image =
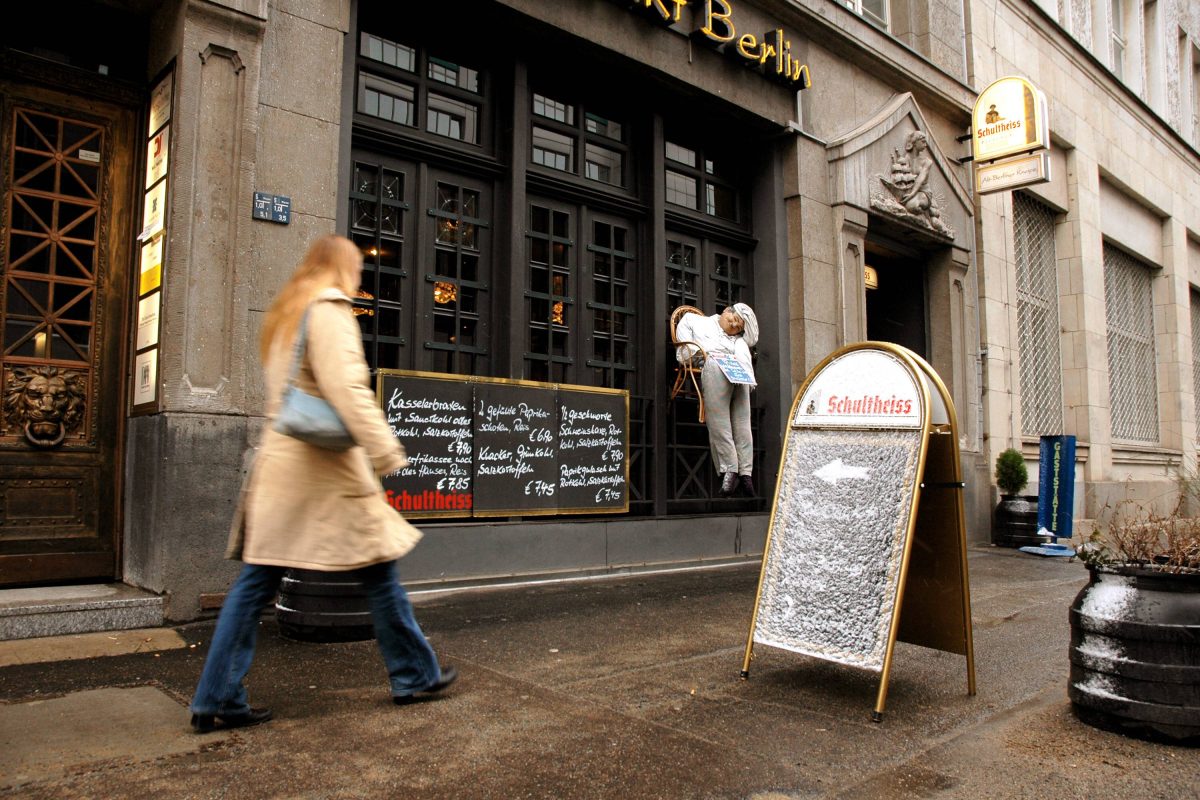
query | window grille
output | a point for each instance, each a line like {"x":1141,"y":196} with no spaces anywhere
{"x":728,"y":280}
{"x":378,"y":205}
{"x":561,"y":130}
{"x":447,"y":102}
{"x":457,"y":281}
{"x":683,"y":273}
{"x":611,"y":257}
{"x":702,"y":182}
{"x":1037,"y":317}
{"x":1132,"y":378}
{"x":549,"y":298}
{"x":1196,"y":356}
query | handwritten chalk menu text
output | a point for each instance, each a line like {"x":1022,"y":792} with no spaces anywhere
{"x":591,"y":445}
{"x":434,"y":423}
{"x":481,"y":447}
{"x":516,"y":456}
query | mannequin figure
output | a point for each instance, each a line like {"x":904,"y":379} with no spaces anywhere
{"x":727,"y":405}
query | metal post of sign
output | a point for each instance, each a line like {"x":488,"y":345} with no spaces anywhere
{"x":876,"y":419}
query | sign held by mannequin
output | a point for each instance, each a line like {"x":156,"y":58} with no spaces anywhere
{"x":870,"y":467}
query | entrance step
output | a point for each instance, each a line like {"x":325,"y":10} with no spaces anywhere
{"x":58,"y":610}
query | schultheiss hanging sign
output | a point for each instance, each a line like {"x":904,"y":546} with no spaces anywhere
{"x":1010,"y":117}
{"x":717,"y":23}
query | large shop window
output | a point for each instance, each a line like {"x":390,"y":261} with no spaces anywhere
{"x":441,"y":304}
{"x":705,"y":274}
{"x":459,"y":289}
{"x":571,"y":139}
{"x":1037,"y":317}
{"x":405,"y":85}
{"x":381,"y":225}
{"x":578,"y":296}
{"x":1132,"y":366}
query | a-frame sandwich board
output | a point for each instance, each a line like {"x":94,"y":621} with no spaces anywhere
{"x":866,"y":543}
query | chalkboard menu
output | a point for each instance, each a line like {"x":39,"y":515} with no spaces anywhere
{"x":491,"y":447}
{"x":591,"y":443}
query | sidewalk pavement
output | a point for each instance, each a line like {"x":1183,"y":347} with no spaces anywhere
{"x":613,"y":688}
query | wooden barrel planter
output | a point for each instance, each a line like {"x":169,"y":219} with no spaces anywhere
{"x":318,"y":606}
{"x":1016,"y":522}
{"x":1135,"y":653}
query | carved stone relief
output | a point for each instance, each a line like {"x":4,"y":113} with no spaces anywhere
{"x":907,"y":190}
{"x":46,"y":403}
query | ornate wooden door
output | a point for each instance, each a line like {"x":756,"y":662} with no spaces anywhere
{"x":66,"y":173}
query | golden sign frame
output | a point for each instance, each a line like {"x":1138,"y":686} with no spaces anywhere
{"x":476,"y":379}
{"x":942,"y":560}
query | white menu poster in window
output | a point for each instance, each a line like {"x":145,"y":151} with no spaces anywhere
{"x":152,"y":215}
{"x":156,"y":157}
{"x":147,"y":325}
{"x":160,"y":104}
{"x":145,"y":377}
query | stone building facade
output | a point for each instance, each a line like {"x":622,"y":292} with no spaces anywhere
{"x":718,"y":151}
{"x":1089,"y":283}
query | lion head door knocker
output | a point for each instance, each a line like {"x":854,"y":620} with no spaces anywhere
{"x":909,"y":187}
{"x":46,"y":402}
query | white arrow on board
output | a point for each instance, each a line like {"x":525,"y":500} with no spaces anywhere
{"x":837,"y":470}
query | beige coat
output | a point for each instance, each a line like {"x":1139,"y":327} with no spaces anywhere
{"x":312,"y":508}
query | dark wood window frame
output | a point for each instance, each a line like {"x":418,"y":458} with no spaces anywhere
{"x":426,"y":91}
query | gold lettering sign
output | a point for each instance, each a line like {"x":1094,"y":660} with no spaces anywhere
{"x":770,"y":51}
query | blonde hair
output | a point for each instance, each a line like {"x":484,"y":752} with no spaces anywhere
{"x":331,"y":262}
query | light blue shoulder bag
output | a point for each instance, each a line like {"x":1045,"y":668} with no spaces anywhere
{"x":306,"y":417}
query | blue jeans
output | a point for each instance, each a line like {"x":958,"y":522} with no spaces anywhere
{"x":410,"y":661}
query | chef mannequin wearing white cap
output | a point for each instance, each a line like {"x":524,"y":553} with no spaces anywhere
{"x":726,"y":405}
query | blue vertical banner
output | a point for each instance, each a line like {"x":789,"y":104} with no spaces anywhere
{"x":1056,"y":486}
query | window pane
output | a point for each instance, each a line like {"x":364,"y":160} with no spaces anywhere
{"x":721,"y":202}
{"x":553,"y":150}
{"x":603,"y":165}
{"x":681,"y":189}
{"x":681,"y":154}
{"x":603,"y":127}
{"x":452,"y":74}
{"x":876,"y":10}
{"x":1132,"y":379}
{"x":385,"y":99}
{"x":379,"y":49}
{"x":552,"y":109}
{"x":453,"y":119}
{"x":1037,"y":316}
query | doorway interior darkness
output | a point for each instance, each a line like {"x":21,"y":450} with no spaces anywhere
{"x":896,"y":308}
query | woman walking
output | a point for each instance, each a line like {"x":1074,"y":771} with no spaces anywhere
{"x":309,"y":507}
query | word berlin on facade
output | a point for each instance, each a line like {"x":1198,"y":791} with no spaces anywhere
{"x":772,"y":51}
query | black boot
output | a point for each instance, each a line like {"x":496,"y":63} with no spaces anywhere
{"x":728,"y":484}
{"x":747,"y":484}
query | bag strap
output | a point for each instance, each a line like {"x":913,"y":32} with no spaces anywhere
{"x":298,"y":349}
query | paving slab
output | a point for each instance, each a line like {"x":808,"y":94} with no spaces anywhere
{"x":78,"y":646}
{"x":47,"y":739}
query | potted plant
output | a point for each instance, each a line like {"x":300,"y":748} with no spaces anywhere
{"x":1015,"y":522}
{"x":1135,"y":627}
